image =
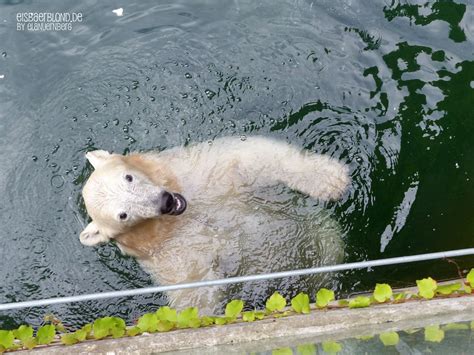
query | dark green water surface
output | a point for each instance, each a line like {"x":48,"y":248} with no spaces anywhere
{"x":385,"y":86}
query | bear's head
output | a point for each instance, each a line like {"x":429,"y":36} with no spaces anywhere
{"x":124,"y":191}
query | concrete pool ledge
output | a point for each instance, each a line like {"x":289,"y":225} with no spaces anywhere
{"x":319,"y":325}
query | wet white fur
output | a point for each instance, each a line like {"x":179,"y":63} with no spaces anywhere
{"x":211,"y":177}
{"x":256,"y":161}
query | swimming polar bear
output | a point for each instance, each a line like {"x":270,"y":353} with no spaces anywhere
{"x":194,"y":213}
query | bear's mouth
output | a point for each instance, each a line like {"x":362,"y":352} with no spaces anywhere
{"x":178,"y":205}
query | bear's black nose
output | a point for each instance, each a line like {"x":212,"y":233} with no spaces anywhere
{"x":167,"y":202}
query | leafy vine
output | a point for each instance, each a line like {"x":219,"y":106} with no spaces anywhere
{"x":167,"y":319}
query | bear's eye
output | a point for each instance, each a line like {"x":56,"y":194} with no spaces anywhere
{"x":123,"y":216}
{"x":129,"y":178}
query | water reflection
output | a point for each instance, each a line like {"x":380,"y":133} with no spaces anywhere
{"x":431,"y":11}
{"x":451,"y":338}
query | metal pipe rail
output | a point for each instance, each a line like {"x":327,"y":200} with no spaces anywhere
{"x":238,"y":279}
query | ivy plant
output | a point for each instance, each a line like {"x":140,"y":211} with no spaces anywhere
{"x":167,"y":319}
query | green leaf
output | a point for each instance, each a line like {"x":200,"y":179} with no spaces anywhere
{"x":259,"y":315}
{"x":282,"y":351}
{"x":148,"y":322}
{"x":103,"y":327}
{"x":50,"y":318}
{"x":233,"y":308}
{"x":168,"y":314}
{"x":82,"y":333}
{"x":248,"y":316}
{"x":281,"y":315}
{"x":306,"y":349}
{"x":24,"y":332}
{"x":206,"y":320}
{"x":434,"y":334}
{"x":300,"y":303}
{"x":382,"y":292}
{"x":118,"y":327}
{"x":131,"y":332}
{"x":100,"y":328}
{"x":365,"y":337}
{"x":399,"y":296}
{"x":343,"y":303}
{"x":359,"y":302}
{"x":221,"y":320}
{"x":165,"y":325}
{"x":6,"y":338}
{"x":87,"y":328}
{"x":467,"y":289}
{"x":331,"y":347}
{"x":470,"y":277}
{"x":411,"y":330}
{"x":69,"y":339}
{"x":389,"y":338}
{"x":426,"y":287}
{"x":117,"y":332}
{"x":45,"y":334}
{"x":323,"y":297}
{"x":118,"y":322}
{"x":60,"y":327}
{"x":30,"y":343}
{"x":455,"y":326}
{"x":276,"y":302}
{"x":448,"y":289}
{"x":189,"y":318}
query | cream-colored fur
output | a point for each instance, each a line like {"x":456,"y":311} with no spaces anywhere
{"x":218,"y":181}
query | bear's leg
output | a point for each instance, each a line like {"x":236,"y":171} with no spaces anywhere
{"x":316,"y":175}
{"x":266,"y":161}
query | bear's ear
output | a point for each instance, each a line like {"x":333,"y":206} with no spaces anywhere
{"x":91,"y":236}
{"x":97,"y":158}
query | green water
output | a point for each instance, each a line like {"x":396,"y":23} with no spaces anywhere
{"x":451,"y":338}
{"x":385,"y":86}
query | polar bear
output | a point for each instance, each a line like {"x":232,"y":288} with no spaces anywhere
{"x":194,"y":213}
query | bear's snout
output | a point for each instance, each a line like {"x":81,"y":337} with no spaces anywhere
{"x":172,"y":203}
{"x":167,"y":202}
